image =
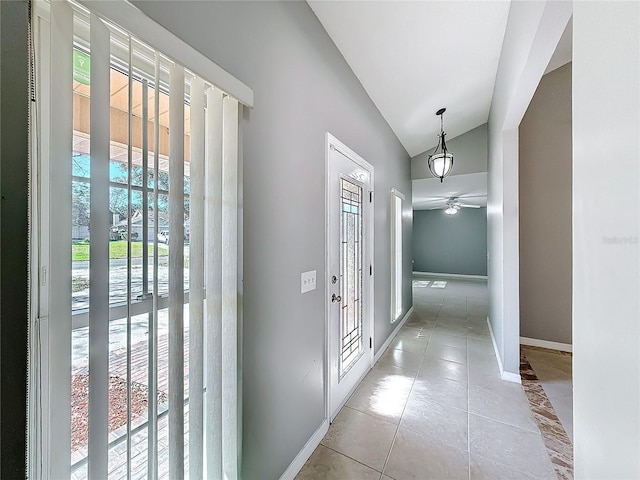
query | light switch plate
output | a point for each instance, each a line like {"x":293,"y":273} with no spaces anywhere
{"x":307,"y":281}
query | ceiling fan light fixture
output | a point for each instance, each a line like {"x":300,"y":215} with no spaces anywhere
{"x":451,"y":211}
{"x":440,"y":162}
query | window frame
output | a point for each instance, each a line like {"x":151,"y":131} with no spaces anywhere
{"x":397,"y":240}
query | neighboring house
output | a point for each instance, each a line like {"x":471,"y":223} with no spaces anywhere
{"x":119,"y":229}
{"x":80,"y":231}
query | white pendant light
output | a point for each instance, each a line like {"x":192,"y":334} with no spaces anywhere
{"x":440,"y":162}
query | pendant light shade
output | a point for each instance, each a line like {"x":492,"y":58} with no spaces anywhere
{"x":440,"y":162}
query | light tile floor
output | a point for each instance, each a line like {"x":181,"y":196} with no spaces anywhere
{"x":434,"y":406}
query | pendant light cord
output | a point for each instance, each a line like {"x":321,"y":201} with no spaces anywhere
{"x":442,"y":134}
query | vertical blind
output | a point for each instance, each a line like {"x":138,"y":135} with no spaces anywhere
{"x":139,"y":199}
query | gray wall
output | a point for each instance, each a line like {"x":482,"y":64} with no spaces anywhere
{"x":545,"y":210}
{"x":13,"y":237}
{"x":469,"y":150}
{"x":532,"y":33}
{"x":450,"y":243}
{"x":303,"y":88}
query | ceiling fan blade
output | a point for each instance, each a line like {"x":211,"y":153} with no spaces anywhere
{"x":438,"y":208}
{"x":464,"y":205}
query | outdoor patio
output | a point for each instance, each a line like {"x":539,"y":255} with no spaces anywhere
{"x":118,"y":397}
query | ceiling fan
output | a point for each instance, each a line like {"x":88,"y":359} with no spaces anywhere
{"x":452,"y":206}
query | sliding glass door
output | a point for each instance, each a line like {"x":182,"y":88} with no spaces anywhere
{"x":136,"y":204}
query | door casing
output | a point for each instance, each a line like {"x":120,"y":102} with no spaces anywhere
{"x":332,"y":143}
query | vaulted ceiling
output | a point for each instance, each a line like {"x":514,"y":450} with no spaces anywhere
{"x":413,"y":57}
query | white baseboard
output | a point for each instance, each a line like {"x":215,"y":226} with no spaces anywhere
{"x":534,"y":342}
{"x":316,"y":438}
{"x":386,"y":344}
{"x":452,"y":275}
{"x":510,"y":377}
{"x":495,"y":347}
{"x":507,"y":376}
{"x":304,"y":454}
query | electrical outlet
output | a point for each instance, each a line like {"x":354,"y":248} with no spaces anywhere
{"x":307,"y":281}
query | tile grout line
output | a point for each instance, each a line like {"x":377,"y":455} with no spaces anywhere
{"x":504,"y":423}
{"x":395,"y":435}
{"x":350,"y":458}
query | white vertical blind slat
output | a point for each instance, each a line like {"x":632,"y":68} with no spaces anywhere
{"x":99,"y":251}
{"x":145,"y":228}
{"x":61,"y":141}
{"x":152,"y":444}
{"x":145,"y":186}
{"x":129,"y":235}
{"x":213,"y":279}
{"x":176,"y":272}
{"x":196,"y":280}
{"x":230,"y":288}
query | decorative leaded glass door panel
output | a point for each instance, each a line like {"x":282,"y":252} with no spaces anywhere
{"x":349,"y":270}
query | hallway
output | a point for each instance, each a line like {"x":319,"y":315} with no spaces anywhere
{"x":434,"y":406}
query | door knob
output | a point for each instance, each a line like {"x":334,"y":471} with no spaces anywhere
{"x":336,"y":298}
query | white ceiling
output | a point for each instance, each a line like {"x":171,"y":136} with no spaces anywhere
{"x":413,"y":57}
{"x":564,"y":49}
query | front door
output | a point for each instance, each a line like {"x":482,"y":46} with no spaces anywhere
{"x":350,"y":307}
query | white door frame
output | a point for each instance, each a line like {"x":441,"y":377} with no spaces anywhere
{"x":332,"y":143}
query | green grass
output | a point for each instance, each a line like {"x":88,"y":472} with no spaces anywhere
{"x":117,"y":249}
